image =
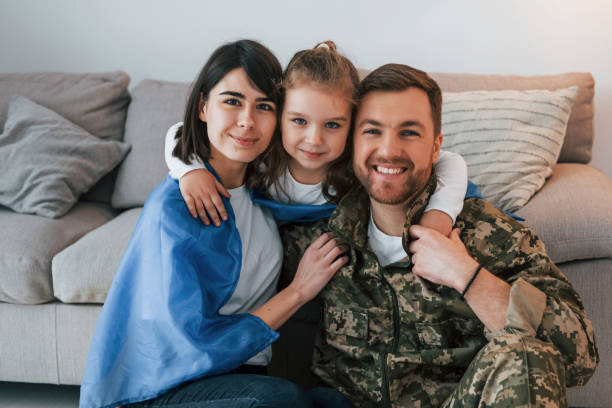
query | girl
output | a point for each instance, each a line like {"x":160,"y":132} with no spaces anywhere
{"x":191,"y":312}
{"x":313,"y":164}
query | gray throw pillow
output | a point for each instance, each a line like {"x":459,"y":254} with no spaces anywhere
{"x":47,"y":162}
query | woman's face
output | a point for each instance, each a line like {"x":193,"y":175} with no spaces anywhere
{"x":240,"y":119}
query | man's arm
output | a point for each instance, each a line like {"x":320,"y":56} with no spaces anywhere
{"x":445,"y":261}
{"x":540,"y":300}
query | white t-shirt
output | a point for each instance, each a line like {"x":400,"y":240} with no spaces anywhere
{"x":262,"y":257}
{"x":388,"y":248}
{"x":262,"y":250}
{"x":448,"y":197}
{"x":294,"y":192}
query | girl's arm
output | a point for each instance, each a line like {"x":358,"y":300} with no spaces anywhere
{"x":446,"y":202}
{"x":199,"y":188}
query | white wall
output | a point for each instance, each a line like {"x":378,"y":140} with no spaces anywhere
{"x":171,"y":40}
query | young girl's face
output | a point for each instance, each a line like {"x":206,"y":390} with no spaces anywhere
{"x":240,"y":119}
{"x":315,"y":125}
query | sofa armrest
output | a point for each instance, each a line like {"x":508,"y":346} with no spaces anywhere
{"x":572,"y":213}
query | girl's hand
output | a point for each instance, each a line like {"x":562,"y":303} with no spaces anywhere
{"x":320,"y":262}
{"x":200,"y":190}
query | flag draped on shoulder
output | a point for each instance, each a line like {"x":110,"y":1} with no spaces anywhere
{"x":160,"y":325}
{"x":294,"y":212}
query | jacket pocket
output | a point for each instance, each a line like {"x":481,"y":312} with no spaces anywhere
{"x":449,"y":333}
{"x":346,"y":322}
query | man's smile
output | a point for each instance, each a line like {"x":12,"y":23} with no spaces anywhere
{"x":389,"y":169}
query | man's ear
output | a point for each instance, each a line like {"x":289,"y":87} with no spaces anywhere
{"x":202,"y":110}
{"x":436,"y":148}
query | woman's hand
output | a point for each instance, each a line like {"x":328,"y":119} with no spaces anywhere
{"x":318,"y":265}
{"x":201,"y":192}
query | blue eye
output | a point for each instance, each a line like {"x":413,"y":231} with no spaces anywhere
{"x":372,"y":131}
{"x":299,"y":121}
{"x":332,"y":125}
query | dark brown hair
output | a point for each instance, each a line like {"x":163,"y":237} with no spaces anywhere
{"x":322,"y":66}
{"x":398,"y":77}
{"x":265,"y":73}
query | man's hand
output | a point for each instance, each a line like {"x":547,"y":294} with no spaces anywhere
{"x":439,"y":259}
{"x":444,"y":260}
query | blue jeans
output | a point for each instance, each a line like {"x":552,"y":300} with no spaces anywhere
{"x":245,"y":390}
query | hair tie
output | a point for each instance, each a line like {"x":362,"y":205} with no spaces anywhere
{"x":323,"y":45}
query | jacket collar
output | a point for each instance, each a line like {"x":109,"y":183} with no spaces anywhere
{"x":351,"y":218}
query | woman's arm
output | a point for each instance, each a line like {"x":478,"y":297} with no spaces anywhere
{"x":320,"y":262}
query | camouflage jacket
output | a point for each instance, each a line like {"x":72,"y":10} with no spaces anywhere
{"x":391,"y":338}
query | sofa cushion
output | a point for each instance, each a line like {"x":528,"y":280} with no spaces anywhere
{"x":83,"y":272}
{"x":47,"y":161}
{"x":572,"y":213}
{"x":509,"y":139}
{"x":29,"y":242}
{"x":579,"y":135}
{"x":45,"y":343}
{"x":96,"y":102}
{"x":156,"y":105}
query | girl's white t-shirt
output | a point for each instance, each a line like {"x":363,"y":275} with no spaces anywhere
{"x":290,"y":191}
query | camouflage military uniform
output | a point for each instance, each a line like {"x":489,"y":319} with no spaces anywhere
{"x":392,"y":339}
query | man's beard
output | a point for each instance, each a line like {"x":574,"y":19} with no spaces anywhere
{"x":394,"y":193}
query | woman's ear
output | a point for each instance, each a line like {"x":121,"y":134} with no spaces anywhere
{"x":202,"y":109}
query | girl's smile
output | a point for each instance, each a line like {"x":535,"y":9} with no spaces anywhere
{"x":315,"y":126}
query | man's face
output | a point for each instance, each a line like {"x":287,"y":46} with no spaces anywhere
{"x":394,"y":144}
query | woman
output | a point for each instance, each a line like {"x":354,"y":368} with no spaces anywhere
{"x":191,"y":313}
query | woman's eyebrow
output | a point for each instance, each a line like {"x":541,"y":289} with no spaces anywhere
{"x":241,"y":96}
{"x":232,"y":93}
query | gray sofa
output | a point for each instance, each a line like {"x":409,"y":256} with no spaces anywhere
{"x":55,"y":273}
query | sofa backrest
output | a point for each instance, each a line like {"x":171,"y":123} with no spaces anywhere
{"x":156,"y":105}
{"x":579,"y":135}
{"x":96,"y":102}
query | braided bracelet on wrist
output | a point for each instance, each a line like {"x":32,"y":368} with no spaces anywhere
{"x":471,"y":281}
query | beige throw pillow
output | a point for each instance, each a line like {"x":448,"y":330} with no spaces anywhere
{"x":509,"y":139}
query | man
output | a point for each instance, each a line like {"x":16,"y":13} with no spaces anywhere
{"x":479,"y":318}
